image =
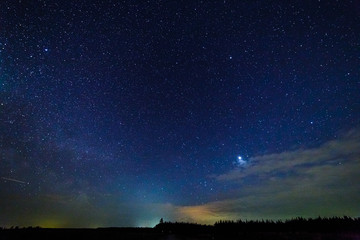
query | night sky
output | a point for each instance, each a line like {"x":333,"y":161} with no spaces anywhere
{"x":119,"y":113}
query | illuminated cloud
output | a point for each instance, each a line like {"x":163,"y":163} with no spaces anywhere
{"x":207,"y":213}
{"x":321,"y":181}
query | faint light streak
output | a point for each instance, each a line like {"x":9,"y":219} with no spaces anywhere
{"x":14,"y":180}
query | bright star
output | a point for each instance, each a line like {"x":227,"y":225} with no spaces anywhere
{"x":240,"y":161}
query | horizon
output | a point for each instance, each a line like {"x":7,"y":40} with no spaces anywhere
{"x":120,"y":113}
{"x":220,"y":222}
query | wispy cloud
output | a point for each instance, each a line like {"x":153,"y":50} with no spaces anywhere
{"x":336,"y":152}
{"x":305,"y":182}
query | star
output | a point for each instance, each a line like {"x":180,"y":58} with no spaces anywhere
{"x":240,"y":162}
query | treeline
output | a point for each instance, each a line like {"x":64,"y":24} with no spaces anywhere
{"x":299,"y":224}
{"x":333,"y":224}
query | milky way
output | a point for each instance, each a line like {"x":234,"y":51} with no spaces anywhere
{"x":119,"y":113}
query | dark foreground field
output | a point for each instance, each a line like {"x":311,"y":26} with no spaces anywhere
{"x":297,"y":229}
{"x":150,"y":233}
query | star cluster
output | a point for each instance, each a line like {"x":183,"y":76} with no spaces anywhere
{"x":118,"y":113}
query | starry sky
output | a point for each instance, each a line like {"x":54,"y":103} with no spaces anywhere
{"x":119,"y":113}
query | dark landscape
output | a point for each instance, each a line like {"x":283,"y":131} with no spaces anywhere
{"x":299,"y":228}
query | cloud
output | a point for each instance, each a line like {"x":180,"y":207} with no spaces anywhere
{"x":321,"y":181}
{"x":336,"y":152}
